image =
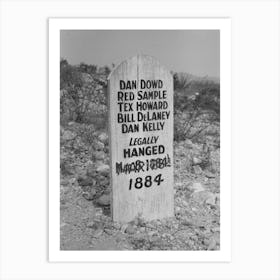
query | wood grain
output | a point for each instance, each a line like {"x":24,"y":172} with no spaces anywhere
{"x":155,"y":201}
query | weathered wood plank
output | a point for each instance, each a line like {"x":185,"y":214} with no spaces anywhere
{"x":141,"y":140}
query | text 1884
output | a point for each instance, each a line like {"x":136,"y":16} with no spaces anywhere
{"x":147,"y":182}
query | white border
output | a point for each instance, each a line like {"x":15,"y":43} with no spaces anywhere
{"x":224,"y":254}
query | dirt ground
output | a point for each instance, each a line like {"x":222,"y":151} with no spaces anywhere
{"x":85,"y":222}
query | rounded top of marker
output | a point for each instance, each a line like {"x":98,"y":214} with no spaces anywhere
{"x":137,"y":56}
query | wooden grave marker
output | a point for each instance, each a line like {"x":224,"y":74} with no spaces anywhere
{"x":141,"y":140}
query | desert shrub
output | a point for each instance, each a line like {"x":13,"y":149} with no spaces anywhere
{"x":70,"y":77}
{"x":196,"y":107}
{"x":195,"y":125}
{"x":209,"y":99}
{"x":87,"y":68}
{"x":182,"y":81}
{"x":83,"y":96}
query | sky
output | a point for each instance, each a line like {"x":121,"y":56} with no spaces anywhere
{"x":192,"y":51}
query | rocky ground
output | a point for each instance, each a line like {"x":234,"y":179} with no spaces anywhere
{"x":85,"y":222}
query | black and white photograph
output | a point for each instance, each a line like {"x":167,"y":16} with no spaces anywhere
{"x":140,"y":140}
{"x":139,"y":134}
